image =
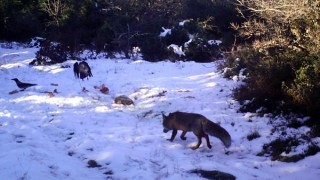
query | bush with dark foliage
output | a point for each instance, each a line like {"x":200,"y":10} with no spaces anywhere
{"x":51,"y":53}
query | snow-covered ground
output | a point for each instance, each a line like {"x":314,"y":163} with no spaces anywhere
{"x":54,"y":137}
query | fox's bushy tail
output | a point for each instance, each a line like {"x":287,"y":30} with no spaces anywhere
{"x":217,"y":131}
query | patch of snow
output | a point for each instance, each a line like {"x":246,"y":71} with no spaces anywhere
{"x":214,"y":42}
{"x":165,"y":32}
{"x":53,"y":130}
{"x":177,"y":49}
{"x":183,"y":22}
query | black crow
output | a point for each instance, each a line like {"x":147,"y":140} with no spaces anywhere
{"x":22,"y":85}
{"x":82,"y":70}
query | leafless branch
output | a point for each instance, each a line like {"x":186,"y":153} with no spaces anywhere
{"x":55,"y":8}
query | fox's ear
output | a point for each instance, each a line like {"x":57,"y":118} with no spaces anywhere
{"x":163,"y":115}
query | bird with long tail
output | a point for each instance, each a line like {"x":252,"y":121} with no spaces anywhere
{"x":23,"y":85}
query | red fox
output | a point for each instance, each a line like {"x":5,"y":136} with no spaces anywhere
{"x":198,"y":124}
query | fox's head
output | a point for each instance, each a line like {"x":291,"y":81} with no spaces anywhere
{"x":166,"y":123}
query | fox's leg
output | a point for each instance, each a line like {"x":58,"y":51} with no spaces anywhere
{"x":182,"y":136}
{"x":174,"y":133}
{"x":199,"y":143}
{"x":208,"y":142}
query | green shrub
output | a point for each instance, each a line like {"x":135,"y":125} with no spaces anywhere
{"x":153,"y":49}
{"x":305,"y":88}
{"x":51,"y":53}
{"x":194,"y":38}
{"x":281,"y":57}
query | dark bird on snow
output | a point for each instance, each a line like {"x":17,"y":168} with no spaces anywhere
{"x":82,"y":70}
{"x":22,"y":85}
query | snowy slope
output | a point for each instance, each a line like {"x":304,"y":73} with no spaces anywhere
{"x":44,"y":137}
